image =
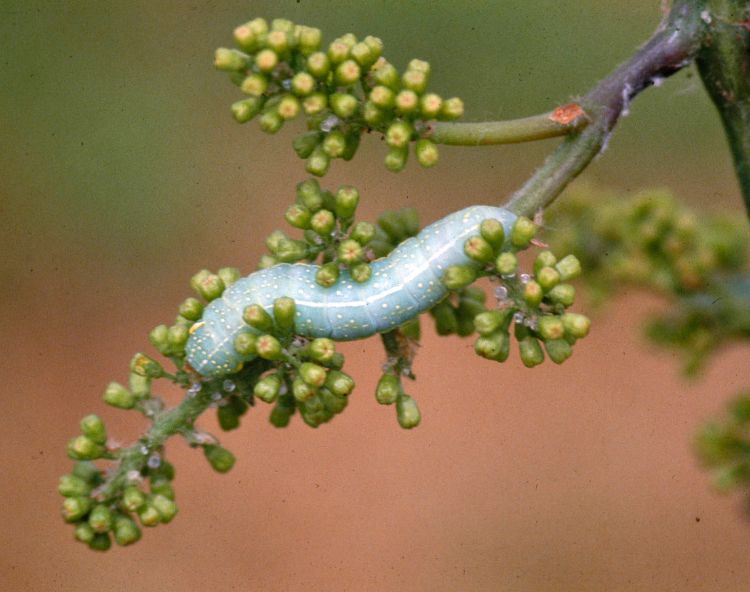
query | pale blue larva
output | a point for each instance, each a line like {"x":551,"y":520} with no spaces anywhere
{"x":403,"y":284}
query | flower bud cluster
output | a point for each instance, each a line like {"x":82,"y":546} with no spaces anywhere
{"x":534,"y":305}
{"x":343,"y":90}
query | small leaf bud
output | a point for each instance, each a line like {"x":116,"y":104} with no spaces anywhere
{"x":334,"y":144}
{"x":551,"y":327}
{"x":244,"y":110}
{"x":328,"y":274}
{"x":407,"y":412}
{"x":100,"y":542}
{"x":245,"y":344}
{"x":318,"y":162}
{"x":533,"y":293}
{"x":71,"y":485}
{"x":430,"y":105}
{"x":118,"y":396}
{"x":315,"y":103}
{"x":558,"y":350}
{"x":522,"y":232}
{"x":92,"y":427}
{"x":388,"y":389}
{"x":75,"y":508}
{"x":254,"y":85}
{"x":548,"y":278}
{"x":323,"y":222}
{"x":459,"y":276}
{"x":363,"y":232}
{"x":506,"y":264}
{"x":361,"y":272}
{"x":576,"y":325}
{"x":407,"y":102}
{"x":229,"y":59}
{"x":100,"y":518}
{"x":268,"y":347}
{"x":207,"y":285}
{"x":395,"y":160}
{"x":322,"y":349}
{"x":84,"y":448}
{"x":399,"y":134}
{"x":339,"y":383}
{"x":478,"y":249}
{"x":531,"y":352}
{"x":318,"y":65}
{"x":347,"y":199}
{"x":257,"y":317}
{"x":288,"y":107}
{"x":569,"y":268}
{"x":191,"y":309}
{"x":133,"y":498}
{"x":284,"y":310}
{"x":563,"y":294}
{"x":350,"y":252}
{"x":166,"y":507}
{"x":266,"y":60}
{"x":452,"y":109}
{"x":126,"y":531}
{"x":267,"y":388}
{"x":344,"y":105}
{"x":493,"y":232}
{"x":495,"y":346}
{"x":427,"y":152}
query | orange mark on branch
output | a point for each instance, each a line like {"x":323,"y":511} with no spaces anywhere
{"x":566,"y":114}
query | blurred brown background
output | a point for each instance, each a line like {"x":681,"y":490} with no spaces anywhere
{"x":122,"y":174}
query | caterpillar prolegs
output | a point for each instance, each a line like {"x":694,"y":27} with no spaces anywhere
{"x":404,"y":284}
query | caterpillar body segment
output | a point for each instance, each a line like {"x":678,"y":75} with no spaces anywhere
{"x":403,"y":284}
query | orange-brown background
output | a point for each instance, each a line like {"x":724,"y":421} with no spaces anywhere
{"x":122,"y":174}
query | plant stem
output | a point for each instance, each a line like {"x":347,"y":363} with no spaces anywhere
{"x":724,"y":66}
{"x":484,"y":133}
{"x":669,"y":50}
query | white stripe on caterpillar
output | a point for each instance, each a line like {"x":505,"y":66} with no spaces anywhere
{"x":404,"y":284}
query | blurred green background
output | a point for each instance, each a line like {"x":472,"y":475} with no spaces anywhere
{"x":123,"y":173}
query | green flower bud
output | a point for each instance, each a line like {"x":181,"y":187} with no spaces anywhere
{"x":430,"y":105}
{"x":288,"y":107}
{"x":244,"y":110}
{"x":490,"y":321}
{"x":318,"y":65}
{"x":248,"y":35}
{"x":569,"y":268}
{"x":315,"y":103}
{"x":478,"y":249}
{"x":375,"y":44}
{"x":309,"y":39}
{"x":382,"y":97}
{"x":334,"y":144}
{"x":338,"y":51}
{"x":140,"y":386}
{"x":267,"y":261}
{"x":407,"y":102}
{"x":191,"y":309}
{"x":163,"y":486}
{"x":446,"y":322}
{"x":126,"y":531}
{"x":321,"y":349}
{"x":493,"y":232}
{"x":337,"y":361}
{"x":522,"y":232}
{"x":92,"y":427}
{"x":166,"y":508}
{"x":100,"y":542}
{"x":298,"y":216}
{"x":75,"y":508}
{"x":266,"y":60}
{"x":257,"y":317}
{"x":558,"y":350}
{"x":407,"y":412}
{"x":280,"y":416}
{"x":269,"y":347}
{"x":576,"y":325}
{"x":271,"y":121}
{"x":363,"y":232}
{"x":494,"y":346}
{"x":84,"y":448}
{"x":459,"y":276}
{"x":350,"y":252}
{"x":308,"y":194}
{"x":284,"y":310}
{"x":548,"y":278}
{"x":267,"y":388}
{"x":87,"y":471}
{"x":333,"y":403}
{"x":100,"y":518}
{"x":133,"y":498}
{"x":280,"y":24}
{"x":533,"y":293}
{"x":254,"y":85}
{"x":207,"y":285}
{"x":531,"y":352}
{"x":323,"y":222}
{"x":303,"y":84}
{"x":361,"y":272}
{"x":385,"y":73}
{"x":278,"y":41}
{"x":373,"y":114}
{"x":274,"y":239}
{"x":84,"y":532}
{"x":347,"y":199}
{"x":544,"y":259}
{"x":363,"y":54}
{"x":427,"y":152}
{"x":164,"y":471}
{"x":388,"y":389}
{"x":348,"y":72}
{"x":399,"y":134}
{"x":339,"y":383}
{"x":328,"y":274}
{"x":149,"y":515}
{"x":177,"y":337}
{"x":291,"y":251}
{"x":245,"y":344}
{"x":344,"y":105}
{"x":230,"y":59}
{"x":551,"y":327}
{"x":563,"y":294}
{"x":313,"y":374}
{"x":118,"y":396}
{"x":302,"y":391}
{"x":142,"y":365}
{"x":506,"y":264}
{"x":352,"y":144}
{"x":409,"y":220}
{"x":71,"y":485}
{"x":395,"y":160}
{"x":452,"y":109}
{"x":318,"y":163}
